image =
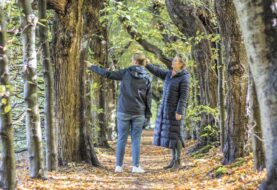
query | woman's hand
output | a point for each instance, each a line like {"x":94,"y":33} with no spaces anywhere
{"x":178,"y":117}
{"x":146,"y":62}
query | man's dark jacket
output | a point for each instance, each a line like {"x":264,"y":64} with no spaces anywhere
{"x":135,"y":89}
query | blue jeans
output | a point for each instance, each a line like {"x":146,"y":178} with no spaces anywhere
{"x":125,"y":122}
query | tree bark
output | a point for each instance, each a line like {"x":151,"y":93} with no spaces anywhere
{"x":87,"y":144}
{"x":220,"y":94}
{"x":8,"y":166}
{"x":58,"y":5}
{"x":75,"y":141}
{"x":66,"y":42}
{"x":254,"y":122}
{"x":33,"y":128}
{"x":236,"y":64}
{"x":51,"y":144}
{"x":260,"y":39}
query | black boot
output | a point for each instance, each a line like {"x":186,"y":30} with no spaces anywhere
{"x":170,"y":164}
{"x":177,"y":164}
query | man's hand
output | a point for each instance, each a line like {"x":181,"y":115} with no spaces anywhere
{"x":88,"y":64}
{"x":178,"y":117}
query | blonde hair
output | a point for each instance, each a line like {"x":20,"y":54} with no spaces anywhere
{"x":139,"y":57}
{"x":181,"y":59}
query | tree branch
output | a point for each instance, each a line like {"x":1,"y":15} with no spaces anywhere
{"x":57,"y":5}
{"x":143,"y":42}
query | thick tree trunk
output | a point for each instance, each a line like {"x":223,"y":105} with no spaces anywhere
{"x":74,"y":139}
{"x":33,"y":128}
{"x":254,"y":122}
{"x":51,"y":144}
{"x":8,"y":171}
{"x":260,"y":39}
{"x":236,"y":64}
{"x":68,"y":30}
{"x":190,"y":21}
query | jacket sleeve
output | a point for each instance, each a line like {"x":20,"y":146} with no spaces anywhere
{"x":157,"y":71}
{"x":183,"y":97}
{"x":114,"y":75}
{"x":148,"y":113}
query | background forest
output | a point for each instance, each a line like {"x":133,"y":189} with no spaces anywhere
{"x":56,"y":110}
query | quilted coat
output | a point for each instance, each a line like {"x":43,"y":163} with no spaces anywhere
{"x":174,"y":100}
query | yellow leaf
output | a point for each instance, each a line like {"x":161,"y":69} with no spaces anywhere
{"x":4,"y":101}
{"x":7,"y":109}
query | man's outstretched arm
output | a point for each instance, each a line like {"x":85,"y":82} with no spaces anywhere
{"x":113,"y":75}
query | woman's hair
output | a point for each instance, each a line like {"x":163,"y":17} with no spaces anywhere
{"x":139,"y":58}
{"x":181,"y":59}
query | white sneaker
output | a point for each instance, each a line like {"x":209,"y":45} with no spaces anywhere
{"x":137,"y":170}
{"x":118,"y":169}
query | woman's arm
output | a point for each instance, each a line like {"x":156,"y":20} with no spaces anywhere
{"x":157,"y":71}
{"x":114,"y":75}
{"x":183,"y":98}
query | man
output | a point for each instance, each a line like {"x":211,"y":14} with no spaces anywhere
{"x":134,"y":106}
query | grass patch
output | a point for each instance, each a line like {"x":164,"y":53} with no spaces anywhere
{"x":202,"y":151}
{"x":238,"y":163}
{"x":221,"y":171}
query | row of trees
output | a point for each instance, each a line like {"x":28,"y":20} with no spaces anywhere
{"x":219,"y":37}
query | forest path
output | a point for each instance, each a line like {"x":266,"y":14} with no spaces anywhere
{"x":197,"y":173}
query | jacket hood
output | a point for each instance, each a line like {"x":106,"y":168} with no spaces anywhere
{"x":138,"y":72}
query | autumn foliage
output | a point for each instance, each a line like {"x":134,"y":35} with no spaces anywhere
{"x":202,"y":171}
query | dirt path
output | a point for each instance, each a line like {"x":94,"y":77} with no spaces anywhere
{"x":196,"y":174}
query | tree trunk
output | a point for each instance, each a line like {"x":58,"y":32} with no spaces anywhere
{"x":111,"y":109}
{"x":99,"y":45}
{"x":87,"y":144}
{"x":33,"y":128}
{"x":236,"y":64}
{"x":51,"y":144}
{"x":74,"y":139}
{"x":259,"y":35}
{"x":254,"y":123}
{"x":220,"y":94}
{"x":102,"y":140}
{"x":100,"y":48}
{"x":8,"y":170}
{"x":66,"y":42}
{"x":190,"y":22}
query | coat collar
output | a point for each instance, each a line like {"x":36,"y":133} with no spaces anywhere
{"x":179,"y":73}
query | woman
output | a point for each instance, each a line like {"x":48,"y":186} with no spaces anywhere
{"x":169,"y":130}
{"x":134,"y":105}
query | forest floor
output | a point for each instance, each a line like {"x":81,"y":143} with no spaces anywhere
{"x":199,"y":172}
